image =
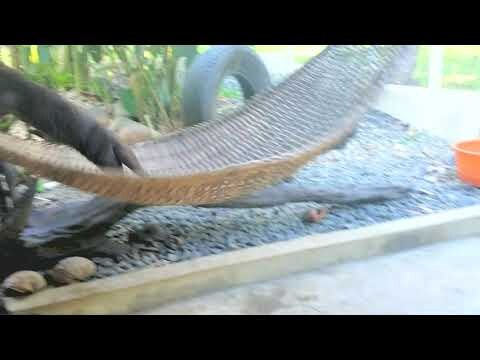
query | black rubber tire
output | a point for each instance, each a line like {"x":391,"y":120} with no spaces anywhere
{"x":404,"y":74}
{"x":205,"y":76}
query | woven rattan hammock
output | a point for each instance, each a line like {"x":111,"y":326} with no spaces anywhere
{"x":265,"y":141}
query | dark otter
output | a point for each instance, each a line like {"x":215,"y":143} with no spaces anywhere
{"x":61,"y":121}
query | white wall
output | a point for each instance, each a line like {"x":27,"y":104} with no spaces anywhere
{"x":451,"y":114}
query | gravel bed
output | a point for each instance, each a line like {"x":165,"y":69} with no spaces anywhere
{"x":383,"y":151}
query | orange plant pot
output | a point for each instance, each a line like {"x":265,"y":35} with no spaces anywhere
{"x":467,"y":156}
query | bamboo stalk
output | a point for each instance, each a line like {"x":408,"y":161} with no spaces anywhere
{"x":15,"y":55}
{"x":80,"y":66}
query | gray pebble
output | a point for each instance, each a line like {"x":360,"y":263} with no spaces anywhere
{"x":212,"y":231}
{"x":172,"y":257}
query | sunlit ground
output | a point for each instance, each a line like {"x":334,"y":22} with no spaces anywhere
{"x":461,"y":63}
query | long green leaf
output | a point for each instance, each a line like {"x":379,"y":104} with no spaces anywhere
{"x":95,"y":51}
{"x":121,"y":53}
{"x":164,"y":92}
{"x":128,"y":101}
{"x":24,"y":52}
{"x":157,"y":50}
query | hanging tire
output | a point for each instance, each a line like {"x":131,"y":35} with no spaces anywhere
{"x":206,"y":74}
{"x":404,"y":73}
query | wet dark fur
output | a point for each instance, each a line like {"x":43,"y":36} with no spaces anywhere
{"x":61,"y":121}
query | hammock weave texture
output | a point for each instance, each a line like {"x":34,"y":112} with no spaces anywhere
{"x":262,"y":143}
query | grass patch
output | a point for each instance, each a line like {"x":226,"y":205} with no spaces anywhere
{"x":461,"y":67}
{"x":230,"y":93}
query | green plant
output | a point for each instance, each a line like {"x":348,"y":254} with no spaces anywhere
{"x":461,"y":67}
{"x":6,"y":122}
{"x":230,"y":93}
{"x":38,"y":62}
{"x":154,"y":88}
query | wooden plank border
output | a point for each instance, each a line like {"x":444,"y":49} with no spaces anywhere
{"x":147,"y":288}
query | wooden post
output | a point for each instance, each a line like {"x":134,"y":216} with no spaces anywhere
{"x":435,"y":70}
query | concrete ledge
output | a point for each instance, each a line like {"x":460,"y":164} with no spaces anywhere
{"x":144,"y":289}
